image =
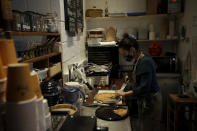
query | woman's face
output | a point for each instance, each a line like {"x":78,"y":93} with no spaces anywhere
{"x":123,"y":52}
{"x":129,"y":55}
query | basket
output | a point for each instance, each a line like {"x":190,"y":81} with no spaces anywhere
{"x":94,"y":12}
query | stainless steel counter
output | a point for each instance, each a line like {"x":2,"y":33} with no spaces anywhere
{"x":123,"y":125}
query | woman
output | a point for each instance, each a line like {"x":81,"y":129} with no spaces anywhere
{"x":143,"y":83}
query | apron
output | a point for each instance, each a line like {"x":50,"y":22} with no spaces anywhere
{"x":132,"y":75}
{"x":149,"y":106}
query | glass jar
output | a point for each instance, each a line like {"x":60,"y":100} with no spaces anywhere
{"x":16,"y":20}
{"x":52,"y":22}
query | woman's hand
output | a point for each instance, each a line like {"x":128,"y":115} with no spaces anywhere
{"x":120,"y":93}
{"x":126,"y":79}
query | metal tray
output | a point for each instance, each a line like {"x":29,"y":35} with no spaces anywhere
{"x":106,"y":113}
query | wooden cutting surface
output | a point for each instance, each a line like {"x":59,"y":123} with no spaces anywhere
{"x":90,"y":99}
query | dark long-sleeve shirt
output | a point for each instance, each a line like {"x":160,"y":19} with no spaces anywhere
{"x":145,"y":78}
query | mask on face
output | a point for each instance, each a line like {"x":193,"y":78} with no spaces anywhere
{"x":129,"y":58}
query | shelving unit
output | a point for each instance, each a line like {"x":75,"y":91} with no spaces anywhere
{"x":181,"y":112}
{"x":44,"y":62}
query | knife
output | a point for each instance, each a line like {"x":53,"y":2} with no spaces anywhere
{"x":123,"y":86}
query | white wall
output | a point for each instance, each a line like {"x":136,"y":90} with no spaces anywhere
{"x":188,"y":19}
{"x":118,"y":6}
{"x":127,"y":25}
{"x":73,"y":47}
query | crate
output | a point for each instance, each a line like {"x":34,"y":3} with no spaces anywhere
{"x":55,"y":69}
{"x":151,"y":6}
{"x":181,"y":113}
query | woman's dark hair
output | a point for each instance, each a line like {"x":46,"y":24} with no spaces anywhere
{"x":127,"y":42}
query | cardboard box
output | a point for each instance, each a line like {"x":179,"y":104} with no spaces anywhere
{"x":152,"y":6}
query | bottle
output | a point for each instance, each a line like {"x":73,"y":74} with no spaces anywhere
{"x":7,"y":17}
{"x":106,"y":9}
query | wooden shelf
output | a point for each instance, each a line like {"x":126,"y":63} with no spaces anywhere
{"x":113,"y":17}
{"x":41,"y":58}
{"x":128,"y":17}
{"x":33,"y":33}
{"x":143,"y":41}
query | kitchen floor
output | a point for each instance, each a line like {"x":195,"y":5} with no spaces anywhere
{"x":147,"y":125}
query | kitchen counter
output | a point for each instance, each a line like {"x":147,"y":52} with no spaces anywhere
{"x":90,"y":99}
{"x":122,"y":125}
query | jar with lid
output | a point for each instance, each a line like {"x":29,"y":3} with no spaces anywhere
{"x":42,"y":23}
{"x":16,"y":20}
{"x":33,"y":20}
{"x":52,"y":22}
{"x":25,"y":22}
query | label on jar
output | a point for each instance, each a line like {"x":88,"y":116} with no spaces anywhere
{"x":24,"y":26}
{"x":28,"y":27}
{"x":18,"y":25}
{"x":34,"y":28}
{"x":6,"y":9}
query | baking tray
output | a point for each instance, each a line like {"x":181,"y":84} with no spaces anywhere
{"x":117,"y":101}
{"x":106,"y":113}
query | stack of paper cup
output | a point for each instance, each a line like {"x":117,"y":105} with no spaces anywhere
{"x":39,"y":101}
{"x":3,"y":80}
{"x":8,"y":52}
{"x":47,"y":115}
{"x":20,"y":99}
{"x":7,"y":56}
